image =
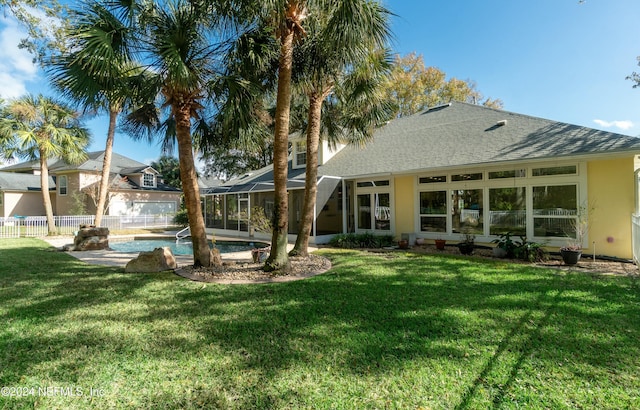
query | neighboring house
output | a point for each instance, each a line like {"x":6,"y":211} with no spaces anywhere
{"x":458,"y":168}
{"x":136,"y":188}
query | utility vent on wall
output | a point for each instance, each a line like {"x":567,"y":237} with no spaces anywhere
{"x":501,"y":123}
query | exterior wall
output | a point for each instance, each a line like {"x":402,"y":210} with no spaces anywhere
{"x":25,"y":203}
{"x":611,"y":192}
{"x":404,"y":205}
{"x":127,"y":199}
{"x":65,"y":203}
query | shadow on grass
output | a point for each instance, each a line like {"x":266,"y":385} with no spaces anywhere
{"x":370,"y":316}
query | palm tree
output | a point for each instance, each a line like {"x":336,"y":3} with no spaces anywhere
{"x":287,"y":18}
{"x":38,"y":127}
{"x":99,"y":74}
{"x":181,"y":50}
{"x":341,"y":42}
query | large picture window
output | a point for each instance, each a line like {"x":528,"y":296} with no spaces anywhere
{"x":555,"y":210}
{"x":466,"y":211}
{"x":508,"y":211}
{"x":433,"y":211}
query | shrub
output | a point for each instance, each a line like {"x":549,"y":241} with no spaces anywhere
{"x":181,"y":218}
{"x":361,"y":240}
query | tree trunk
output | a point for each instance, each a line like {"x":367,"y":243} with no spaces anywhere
{"x":190,"y":189}
{"x":278,"y":258}
{"x":46,"y":199}
{"x":311,"y":175}
{"x":103,"y":191}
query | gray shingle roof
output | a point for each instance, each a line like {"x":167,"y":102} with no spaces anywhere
{"x":462,"y":134}
{"x":11,"y":181}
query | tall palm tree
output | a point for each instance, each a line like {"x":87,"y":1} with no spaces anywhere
{"x":98,"y":72}
{"x":181,"y":52}
{"x":38,"y":127}
{"x":287,"y":18}
{"x":342,"y":40}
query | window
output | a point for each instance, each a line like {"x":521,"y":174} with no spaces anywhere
{"x":367,"y":184}
{"x":433,"y":180}
{"x":466,"y":211}
{"x":364,"y":211}
{"x":62,"y":184}
{"x":566,"y":170}
{"x":507,"y":211}
{"x":467,"y":177}
{"x":301,"y":152}
{"x":433,"y":211}
{"x":555,"y":210}
{"x":514,"y":173}
{"x":148,"y":180}
{"x":378,"y":216}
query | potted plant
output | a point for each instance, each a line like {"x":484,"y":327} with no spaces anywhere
{"x":440,"y":243}
{"x":572,"y":251}
{"x":403,"y":244}
{"x":467,"y":244}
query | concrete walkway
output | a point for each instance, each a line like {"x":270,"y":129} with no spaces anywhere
{"x":120,"y":259}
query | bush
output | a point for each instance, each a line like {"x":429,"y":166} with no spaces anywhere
{"x":181,"y":218}
{"x":361,"y":240}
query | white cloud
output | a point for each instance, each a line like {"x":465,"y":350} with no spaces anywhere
{"x":16,"y":65}
{"x":623,"y":125}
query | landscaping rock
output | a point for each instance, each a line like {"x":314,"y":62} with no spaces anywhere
{"x":90,"y":238}
{"x":157,"y":260}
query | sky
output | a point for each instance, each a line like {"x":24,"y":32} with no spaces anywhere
{"x":564,"y":60}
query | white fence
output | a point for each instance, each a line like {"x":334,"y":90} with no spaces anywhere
{"x":635,"y":237}
{"x":25,"y":226}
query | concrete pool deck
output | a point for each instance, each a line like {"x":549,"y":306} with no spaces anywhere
{"x":120,"y":259}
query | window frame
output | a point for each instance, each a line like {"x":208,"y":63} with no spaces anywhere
{"x":61,"y":185}
{"x":146,"y":183}
{"x":522,"y":177}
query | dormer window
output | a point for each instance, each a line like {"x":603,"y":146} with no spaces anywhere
{"x":148,"y":180}
{"x":301,"y":153}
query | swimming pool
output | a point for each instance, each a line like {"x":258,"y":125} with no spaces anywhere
{"x":182,"y":247}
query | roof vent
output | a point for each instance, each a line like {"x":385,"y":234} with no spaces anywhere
{"x":501,"y":123}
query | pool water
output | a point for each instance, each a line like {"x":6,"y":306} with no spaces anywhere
{"x":182,"y":247}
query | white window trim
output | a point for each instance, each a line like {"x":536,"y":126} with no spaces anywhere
{"x":387,"y":189}
{"x":297,"y":152}
{"x":153,"y":180}
{"x":579,"y":179}
{"x":66,"y":185}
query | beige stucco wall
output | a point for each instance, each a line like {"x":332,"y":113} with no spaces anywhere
{"x":25,"y":203}
{"x":611,"y":194}
{"x":65,"y":203}
{"x":404,"y":193}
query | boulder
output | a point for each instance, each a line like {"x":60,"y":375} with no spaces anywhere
{"x":157,"y":260}
{"x":90,"y":238}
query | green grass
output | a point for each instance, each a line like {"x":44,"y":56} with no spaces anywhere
{"x":377,"y":331}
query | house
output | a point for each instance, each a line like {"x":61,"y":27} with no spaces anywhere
{"x":454,"y":169}
{"x":136,"y":188}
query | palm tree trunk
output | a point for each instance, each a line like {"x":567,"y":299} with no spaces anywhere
{"x":311,"y":175}
{"x":190,"y":189}
{"x":106,"y":167}
{"x":278,"y":258}
{"x":46,"y":199}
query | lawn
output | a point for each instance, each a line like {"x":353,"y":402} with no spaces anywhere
{"x":377,"y":331}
